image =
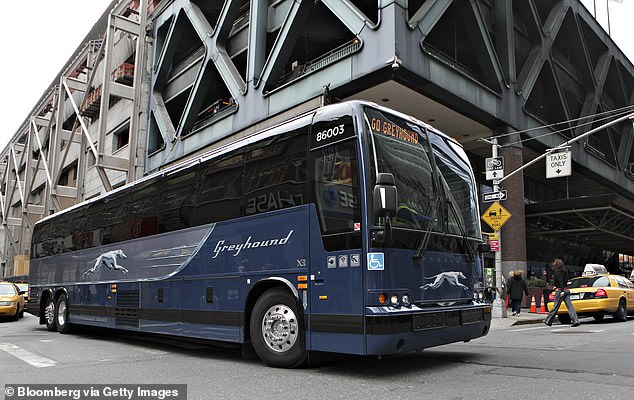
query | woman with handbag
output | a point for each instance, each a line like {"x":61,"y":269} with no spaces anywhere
{"x":562,"y":293}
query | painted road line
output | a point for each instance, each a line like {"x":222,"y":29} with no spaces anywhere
{"x":530,"y":329}
{"x":27,"y":356}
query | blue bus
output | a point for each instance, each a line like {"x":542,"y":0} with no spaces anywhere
{"x":351,"y":229}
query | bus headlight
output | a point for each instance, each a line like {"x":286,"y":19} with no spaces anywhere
{"x":394,"y":299}
{"x":405,"y":299}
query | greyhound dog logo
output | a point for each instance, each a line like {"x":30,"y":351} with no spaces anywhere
{"x":451,"y":277}
{"x":109,"y":260}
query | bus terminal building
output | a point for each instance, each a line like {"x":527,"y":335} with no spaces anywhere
{"x":156,"y":82}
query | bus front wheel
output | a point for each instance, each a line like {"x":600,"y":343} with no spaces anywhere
{"x":277,"y":331}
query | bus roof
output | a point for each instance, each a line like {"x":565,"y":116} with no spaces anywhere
{"x":350,"y":104}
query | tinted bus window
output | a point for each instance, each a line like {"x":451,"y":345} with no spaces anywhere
{"x":275,"y":173}
{"x":402,"y":148}
{"x":176,"y":201}
{"x":335,"y":177}
{"x":219,"y":194}
{"x":456,"y":173}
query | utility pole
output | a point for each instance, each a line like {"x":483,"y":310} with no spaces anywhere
{"x":498,"y":309}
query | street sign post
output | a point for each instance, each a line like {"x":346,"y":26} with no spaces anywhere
{"x":494,"y":167}
{"x":559,"y":164}
{"x":496,"y":216}
{"x":494,"y":196}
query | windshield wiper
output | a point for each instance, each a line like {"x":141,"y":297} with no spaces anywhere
{"x":425,"y":239}
{"x":463,"y":232}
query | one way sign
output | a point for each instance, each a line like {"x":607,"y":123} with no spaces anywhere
{"x":494,"y":196}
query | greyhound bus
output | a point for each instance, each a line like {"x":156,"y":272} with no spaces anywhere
{"x":351,"y":229}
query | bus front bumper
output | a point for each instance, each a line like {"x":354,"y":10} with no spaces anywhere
{"x":391,"y":330}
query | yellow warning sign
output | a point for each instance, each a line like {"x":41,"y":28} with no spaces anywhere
{"x":496,"y":216}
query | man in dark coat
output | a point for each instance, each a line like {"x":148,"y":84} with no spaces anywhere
{"x":516,"y":287}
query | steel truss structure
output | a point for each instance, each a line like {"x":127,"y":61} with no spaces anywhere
{"x":161,"y":80}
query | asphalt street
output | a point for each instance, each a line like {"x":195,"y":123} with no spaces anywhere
{"x":531,"y":361}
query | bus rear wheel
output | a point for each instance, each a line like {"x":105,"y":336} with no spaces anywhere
{"x":277,"y":331}
{"x":61,"y":314}
{"x":49,"y":315}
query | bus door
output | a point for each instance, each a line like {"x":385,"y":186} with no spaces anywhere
{"x":336,"y":284}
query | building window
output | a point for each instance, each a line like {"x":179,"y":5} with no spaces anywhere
{"x":121,"y":136}
{"x":68,"y":176}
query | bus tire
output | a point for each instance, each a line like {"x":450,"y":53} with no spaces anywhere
{"x":49,"y":315}
{"x":277,"y":331}
{"x":61,"y":314}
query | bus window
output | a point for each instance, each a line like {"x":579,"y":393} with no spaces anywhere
{"x":275,"y":173}
{"x":219,"y":195}
{"x":176,"y":200}
{"x":456,"y":173}
{"x":336,"y":189}
{"x":401,"y":148}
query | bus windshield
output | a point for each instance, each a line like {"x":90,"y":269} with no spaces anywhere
{"x":434,"y":181}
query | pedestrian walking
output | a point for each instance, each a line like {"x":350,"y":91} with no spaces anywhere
{"x":516,"y":287}
{"x":562,"y":293}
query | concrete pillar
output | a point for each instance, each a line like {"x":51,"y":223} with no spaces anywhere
{"x":514,"y":230}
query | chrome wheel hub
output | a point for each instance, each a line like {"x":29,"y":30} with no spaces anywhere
{"x":61,"y":313}
{"x":280,"y":328}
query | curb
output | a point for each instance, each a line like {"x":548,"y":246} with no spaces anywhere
{"x":528,"y":321}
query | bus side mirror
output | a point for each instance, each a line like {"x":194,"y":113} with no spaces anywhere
{"x":385,"y":196}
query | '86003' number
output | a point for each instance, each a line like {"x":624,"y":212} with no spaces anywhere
{"x":330,"y":133}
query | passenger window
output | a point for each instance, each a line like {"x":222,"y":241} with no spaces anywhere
{"x":622,"y":282}
{"x":175,"y":208}
{"x":219,"y":195}
{"x":603,"y":281}
{"x":335,"y":179}
{"x":275,"y":173}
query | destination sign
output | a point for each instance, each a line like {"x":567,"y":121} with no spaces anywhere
{"x":389,"y":125}
{"x":391,"y":129}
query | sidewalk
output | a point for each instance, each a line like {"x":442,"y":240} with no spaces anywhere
{"x":524,"y":318}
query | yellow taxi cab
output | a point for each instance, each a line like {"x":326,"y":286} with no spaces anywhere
{"x":11,"y":300}
{"x":598,"y":295}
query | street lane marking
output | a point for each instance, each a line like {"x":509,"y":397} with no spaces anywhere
{"x":571,"y":329}
{"x":529,"y":329}
{"x":27,"y":356}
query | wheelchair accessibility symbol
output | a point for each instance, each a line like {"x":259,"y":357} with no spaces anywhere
{"x":376,"y":262}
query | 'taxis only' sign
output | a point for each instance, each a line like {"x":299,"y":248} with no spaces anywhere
{"x":559,"y":164}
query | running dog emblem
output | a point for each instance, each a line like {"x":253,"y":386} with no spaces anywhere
{"x":108,"y":259}
{"x":451,"y":277}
